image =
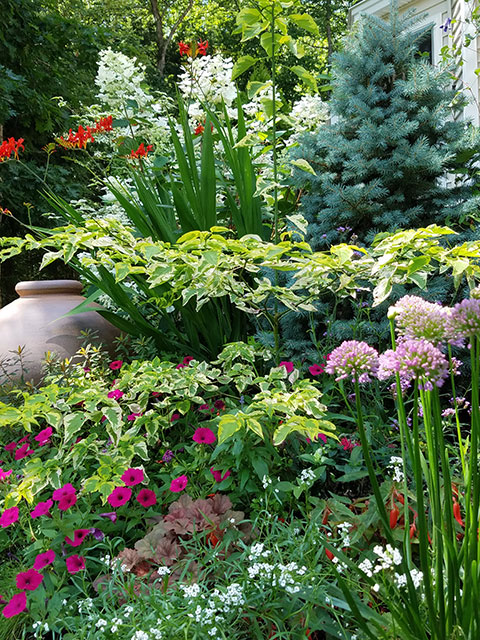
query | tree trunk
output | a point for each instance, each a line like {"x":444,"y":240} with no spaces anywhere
{"x":159,"y":35}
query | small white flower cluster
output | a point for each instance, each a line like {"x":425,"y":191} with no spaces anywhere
{"x":140,"y":635}
{"x":119,"y":78}
{"x":344,"y":532}
{"x":101,"y":623}
{"x":258,"y":550}
{"x":308,"y":114}
{"x":307,"y":478}
{"x":389,"y":558}
{"x":266,"y":481}
{"x":396,"y":465}
{"x":217,"y":603}
{"x":338,"y":564}
{"x":163,"y":571}
{"x":190,"y":591}
{"x":278,"y":575}
{"x":115,"y":623}
{"x":416,"y":576}
{"x":40,"y":628}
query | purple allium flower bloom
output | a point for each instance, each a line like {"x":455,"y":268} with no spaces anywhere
{"x":418,"y":318}
{"x":415,"y":359}
{"x":353,"y":359}
{"x":464,"y":321}
{"x":167,"y":456}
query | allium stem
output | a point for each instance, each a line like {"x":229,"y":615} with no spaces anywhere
{"x":457,"y":420}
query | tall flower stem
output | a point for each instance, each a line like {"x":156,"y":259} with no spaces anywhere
{"x":457,"y":420}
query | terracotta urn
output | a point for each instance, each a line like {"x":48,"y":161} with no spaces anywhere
{"x":35,"y":323}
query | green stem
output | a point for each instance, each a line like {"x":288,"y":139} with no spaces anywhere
{"x":457,"y":420}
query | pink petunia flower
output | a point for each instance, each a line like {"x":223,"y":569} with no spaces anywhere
{"x":44,"y":436}
{"x":29,"y":580}
{"x":16,"y":605}
{"x":64,"y":491}
{"x":348,"y":445}
{"x":131,"y":477}
{"x":218,"y":475}
{"x":178,"y":484}
{"x":289,"y":366}
{"x":42,"y":509}
{"x":116,"y":394}
{"x":188,"y":359}
{"x":111,"y":515}
{"x":5,"y":474}
{"x":75,"y":564}
{"x":79,"y":536}
{"x":8,"y":517}
{"x":203,"y":407}
{"x":180,"y":366}
{"x":116,"y":364}
{"x":155,"y":394}
{"x":219,"y":404}
{"x":44,"y":560}
{"x":10,"y":447}
{"x":316,"y":369}
{"x":119,"y":496}
{"x":23,"y":451}
{"x":24,"y":439}
{"x":67,"y":501}
{"x":204,"y":435}
{"x":146,"y":497}
{"x":175,"y":416}
{"x":133,"y":416}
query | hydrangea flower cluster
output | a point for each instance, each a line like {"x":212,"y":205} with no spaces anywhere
{"x":353,"y":360}
{"x":418,"y":318}
{"x":415,"y":360}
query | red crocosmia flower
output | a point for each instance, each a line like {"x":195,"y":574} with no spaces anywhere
{"x":175,"y":416}
{"x":29,"y":580}
{"x":178,"y":484}
{"x":204,"y":435}
{"x":23,"y":451}
{"x":44,"y":560}
{"x":5,"y":474}
{"x":142,"y":151}
{"x":11,"y":146}
{"x":75,"y":564}
{"x":199,"y":130}
{"x":202,"y":48}
{"x":8,"y":517}
{"x":116,"y":394}
{"x":67,"y":501}
{"x":218,"y":475}
{"x":131,"y":477}
{"x":289,"y":366}
{"x":316,"y":369}
{"x":10,"y":447}
{"x":104,"y":124}
{"x":41,"y":509}
{"x":219,"y":404}
{"x":116,"y":364}
{"x":79,"y":536}
{"x":185,"y":49}
{"x":64,"y":491}
{"x":79,"y":139}
{"x":16,"y":605}
{"x":146,"y":498}
{"x":119,"y":496}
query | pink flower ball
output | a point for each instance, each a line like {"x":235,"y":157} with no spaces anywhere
{"x":67,"y":501}
{"x":116,"y":394}
{"x":218,"y":475}
{"x":41,"y":509}
{"x":64,"y":491}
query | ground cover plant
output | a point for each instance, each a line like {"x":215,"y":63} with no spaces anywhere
{"x":239,"y":469}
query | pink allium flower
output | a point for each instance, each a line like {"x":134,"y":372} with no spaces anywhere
{"x":218,"y":475}
{"x":111,"y":515}
{"x":146,"y":498}
{"x":23,"y":451}
{"x":418,"y":318}
{"x":415,"y":360}
{"x":29,"y":580}
{"x":119,"y":496}
{"x":8,"y":517}
{"x":75,"y":564}
{"x":116,"y":364}
{"x":219,"y":404}
{"x":10,"y":447}
{"x":16,"y":605}
{"x":131,"y":477}
{"x":289,"y":366}
{"x":175,"y":416}
{"x":41,"y":509}
{"x":5,"y":474}
{"x":79,"y":536}
{"x":44,"y":560}
{"x":204,"y":435}
{"x":44,"y":436}
{"x":178,"y":484}
{"x":133,"y":416}
{"x":464,"y":321}
{"x":316,"y":369}
{"x":354,"y":360}
{"x":67,"y":501}
{"x":116,"y":394}
{"x":64,"y":491}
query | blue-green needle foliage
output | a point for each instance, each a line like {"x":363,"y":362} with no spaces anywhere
{"x":396,"y":155}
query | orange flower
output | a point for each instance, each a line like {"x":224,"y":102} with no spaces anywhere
{"x":202,"y":48}
{"x":11,"y":146}
{"x":185,"y":49}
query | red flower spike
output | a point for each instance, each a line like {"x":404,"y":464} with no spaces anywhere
{"x":199,"y":130}
{"x":185,"y":49}
{"x":394,"y":513}
{"x":11,"y":146}
{"x":457,"y":514}
{"x":329,"y":554}
{"x":202,"y":48}
{"x":413,"y":531}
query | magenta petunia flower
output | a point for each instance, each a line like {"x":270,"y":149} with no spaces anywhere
{"x":79,"y":536}
{"x":16,"y":605}
{"x":155,"y":394}
{"x":188,"y":359}
{"x":218,"y":475}
{"x":219,"y":404}
{"x":24,"y":439}
{"x":119,"y":496}
{"x":116,"y":394}
{"x":23,"y":452}
{"x":67,"y":501}
{"x":204,"y":435}
{"x":175,"y":416}
{"x":29,"y":580}
{"x":348,"y":445}
{"x":10,"y":447}
{"x":44,"y":560}
{"x":289,"y":366}
{"x":64,"y":491}
{"x":354,"y":360}
{"x":146,"y":497}
{"x":111,"y":515}
{"x":116,"y":364}
{"x":5,"y":474}
{"x":41,"y":509}
{"x":131,"y":477}
{"x":180,"y":366}
{"x":178,"y":484}
{"x":8,"y":517}
{"x":203,"y":407}
{"x":133,"y":416}
{"x":75,"y":564}
{"x":44,"y":436}
{"x":316,"y":369}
